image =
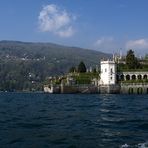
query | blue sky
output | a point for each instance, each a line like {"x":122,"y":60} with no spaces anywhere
{"x":103,"y":25}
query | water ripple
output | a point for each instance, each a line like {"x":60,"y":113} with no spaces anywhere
{"x":73,"y":121}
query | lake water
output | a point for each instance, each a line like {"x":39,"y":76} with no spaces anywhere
{"x":31,"y":120}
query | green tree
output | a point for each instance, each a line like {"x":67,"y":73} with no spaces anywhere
{"x":94,"y":70}
{"x":131,"y":61}
{"x":72,"y":69}
{"x":81,"y":67}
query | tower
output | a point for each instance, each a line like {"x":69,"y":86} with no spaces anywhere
{"x":108,"y":72}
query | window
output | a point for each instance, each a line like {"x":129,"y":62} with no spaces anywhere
{"x":111,"y":70}
{"x":111,"y":78}
{"x":105,"y":70}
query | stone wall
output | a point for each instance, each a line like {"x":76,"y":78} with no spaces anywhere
{"x":123,"y":88}
{"x":79,"y":89}
{"x":134,"y":88}
{"x":109,"y":89}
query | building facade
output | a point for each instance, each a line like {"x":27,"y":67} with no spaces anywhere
{"x":108,"y":72}
{"x":112,"y":81}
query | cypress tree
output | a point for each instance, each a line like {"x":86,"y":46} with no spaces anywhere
{"x":81,"y":67}
{"x":131,"y":61}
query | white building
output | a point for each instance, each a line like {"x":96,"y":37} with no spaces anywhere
{"x":108,"y":72}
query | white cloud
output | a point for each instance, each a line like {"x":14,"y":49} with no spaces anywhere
{"x":105,"y":44}
{"x":103,"y":40}
{"x":112,"y":45}
{"x":137,"y":44}
{"x":66,"y":33}
{"x":53,"y":19}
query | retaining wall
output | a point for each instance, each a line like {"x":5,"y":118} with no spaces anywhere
{"x":134,"y":88}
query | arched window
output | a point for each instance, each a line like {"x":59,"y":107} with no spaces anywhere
{"x":130,"y":90}
{"x":145,"y":77}
{"x":139,"y":90}
{"x":139,"y":77}
{"x":127,"y":77}
{"x":133,"y":77}
{"x":122,"y":77}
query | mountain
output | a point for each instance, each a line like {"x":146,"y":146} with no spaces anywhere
{"x":25,"y":62}
{"x":54,"y":56}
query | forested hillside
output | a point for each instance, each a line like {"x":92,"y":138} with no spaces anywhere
{"x":25,"y":66}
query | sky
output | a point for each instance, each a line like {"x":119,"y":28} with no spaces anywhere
{"x":104,"y":25}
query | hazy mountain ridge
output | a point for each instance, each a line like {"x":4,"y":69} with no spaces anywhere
{"x":49,"y":52}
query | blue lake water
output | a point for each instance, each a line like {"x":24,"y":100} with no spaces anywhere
{"x":31,"y":120}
